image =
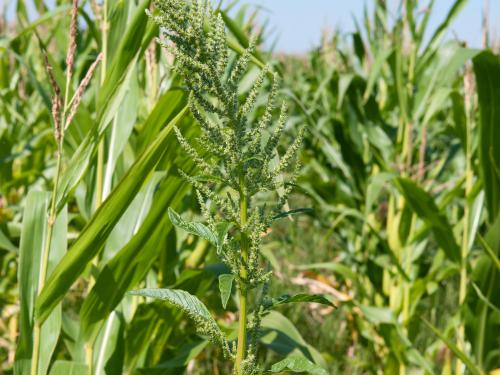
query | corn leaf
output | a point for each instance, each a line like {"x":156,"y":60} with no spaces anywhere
{"x":6,"y":244}
{"x":454,"y":348}
{"x":33,"y":238}
{"x":69,"y":368}
{"x":109,"y":346}
{"x":438,"y":34}
{"x":491,"y":253}
{"x":487,"y":71}
{"x":31,"y":248}
{"x":424,"y":206}
{"x":133,"y":261}
{"x":93,"y":236}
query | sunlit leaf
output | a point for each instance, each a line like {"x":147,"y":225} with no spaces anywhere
{"x":296,"y":363}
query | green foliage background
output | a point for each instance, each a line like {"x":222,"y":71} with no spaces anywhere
{"x":400,"y":178}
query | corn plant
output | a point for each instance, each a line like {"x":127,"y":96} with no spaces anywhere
{"x":107,"y":109}
{"x":382,"y":171}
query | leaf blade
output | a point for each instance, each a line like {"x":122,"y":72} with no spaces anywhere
{"x":454,"y":348}
{"x":198,"y":229}
{"x":297,"y":363}
{"x":90,"y":241}
{"x":424,"y":206}
{"x":225,"y":287}
{"x":302,"y":297}
{"x":179,"y":298}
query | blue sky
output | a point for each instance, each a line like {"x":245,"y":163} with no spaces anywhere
{"x":297,"y":24}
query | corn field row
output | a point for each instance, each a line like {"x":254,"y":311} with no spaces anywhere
{"x":129,"y":246}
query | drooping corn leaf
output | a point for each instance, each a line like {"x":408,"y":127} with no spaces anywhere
{"x":93,"y":236}
{"x":378,"y":315}
{"x":439,"y":74}
{"x":133,"y":261}
{"x":240,"y":40}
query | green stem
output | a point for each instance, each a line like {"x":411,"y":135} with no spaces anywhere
{"x":463,"y":276}
{"x":50,"y":226}
{"x":242,"y":332}
{"x":89,"y":346}
{"x":459,"y":367}
{"x":243,"y":294}
{"x":45,"y":260}
{"x":408,"y":269}
{"x":99,"y":175}
{"x":100,"y":150}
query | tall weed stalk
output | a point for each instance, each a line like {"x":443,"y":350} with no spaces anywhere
{"x":240,"y":185}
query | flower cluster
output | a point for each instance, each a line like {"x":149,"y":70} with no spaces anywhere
{"x":236,"y":153}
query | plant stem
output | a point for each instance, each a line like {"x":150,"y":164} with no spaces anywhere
{"x":462,"y":292}
{"x":50,"y":226}
{"x":89,"y":347}
{"x":242,"y":331}
{"x":99,"y":175}
{"x":100,"y":149}
{"x":463,"y":285}
{"x":408,"y":270}
{"x":45,"y":260}
{"x":243,"y":294}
